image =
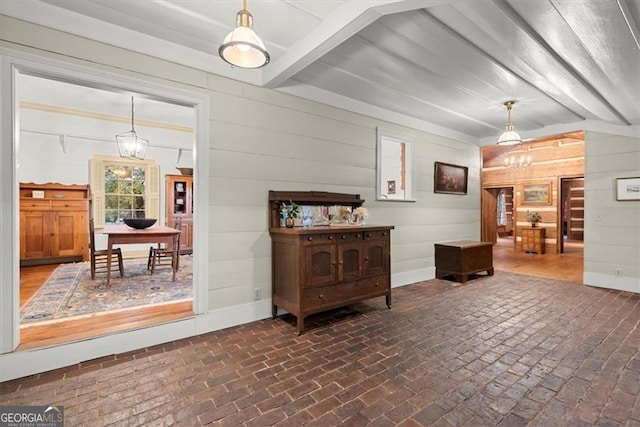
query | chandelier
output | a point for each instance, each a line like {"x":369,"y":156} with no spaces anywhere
{"x":518,"y":159}
{"x":509,"y":136}
{"x":130,"y":144}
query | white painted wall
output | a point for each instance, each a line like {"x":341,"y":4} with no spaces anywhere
{"x":612,"y":227}
{"x":264,"y":140}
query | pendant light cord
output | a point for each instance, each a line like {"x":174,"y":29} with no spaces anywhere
{"x":132,"y":128}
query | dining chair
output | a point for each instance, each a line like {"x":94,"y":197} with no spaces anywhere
{"x":99,"y":257}
{"x":163,"y":253}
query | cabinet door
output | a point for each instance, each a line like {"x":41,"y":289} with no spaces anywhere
{"x":68,"y":237}
{"x":320,"y":265}
{"x":179,"y":197}
{"x":349,"y":261}
{"x":34,"y":234}
{"x":186,"y":238}
{"x":376,"y":257}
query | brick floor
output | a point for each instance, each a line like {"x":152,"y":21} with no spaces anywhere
{"x":508,"y":350}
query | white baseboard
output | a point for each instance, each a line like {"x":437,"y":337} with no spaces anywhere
{"x":628,"y":284}
{"x":414,"y":276}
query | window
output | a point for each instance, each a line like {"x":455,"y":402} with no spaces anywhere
{"x":124,"y":192}
{"x":123,"y":188}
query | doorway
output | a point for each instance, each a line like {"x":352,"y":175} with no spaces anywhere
{"x":63,"y":124}
{"x":497,"y":215}
{"x":571,"y":214}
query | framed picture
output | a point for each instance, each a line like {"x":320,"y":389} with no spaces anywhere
{"x":450,"y":179}
{"x":396,"y":167}
{"x":391,"y":187}
{"x":628,"y":188}
{"x":536,"y":193}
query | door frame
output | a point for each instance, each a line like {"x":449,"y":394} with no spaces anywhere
{"x":560,"y":235}
{"x":487,"y":218}
{"x":13,"y":63}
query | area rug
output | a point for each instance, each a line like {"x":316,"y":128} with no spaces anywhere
{"x":70,"y":292}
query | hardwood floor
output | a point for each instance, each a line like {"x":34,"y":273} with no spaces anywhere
{"x":567,"y":266}
{"x":57,"y":332}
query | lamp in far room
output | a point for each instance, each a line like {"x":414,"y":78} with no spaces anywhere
{"x":130,"y":144}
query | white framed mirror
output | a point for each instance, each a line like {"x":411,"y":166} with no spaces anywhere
{"x":396,"y":167}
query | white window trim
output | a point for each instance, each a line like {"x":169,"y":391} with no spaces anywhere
{"x":96,"y":182}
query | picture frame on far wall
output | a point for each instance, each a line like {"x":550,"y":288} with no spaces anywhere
{"x":536,"y":193}
{"x":450,"y":179}
{"x":628,"y":188}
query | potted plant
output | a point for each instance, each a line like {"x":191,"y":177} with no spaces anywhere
{"x":290,"y":213}
{"x":533,"y":218}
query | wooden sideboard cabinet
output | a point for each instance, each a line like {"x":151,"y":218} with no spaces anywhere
{"x":321,"y":267}
{"x":179,"y":204}
{"x":533,"y":239}
{"x":53,"y":227}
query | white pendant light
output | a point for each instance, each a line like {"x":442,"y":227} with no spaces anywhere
{"x":510,"y":136}
{"x":130,"y":144}
{"x":243,"y":47}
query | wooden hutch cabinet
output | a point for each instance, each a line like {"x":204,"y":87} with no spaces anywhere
{"x":533,"y":239}
{"x":322,"y":267}
{"x":54,"y":223}
{"x":179,"y":204}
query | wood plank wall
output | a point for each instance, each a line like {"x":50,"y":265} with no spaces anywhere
{"x":552,"y":160}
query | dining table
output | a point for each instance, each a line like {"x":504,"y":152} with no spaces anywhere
{"x":123,"y":234}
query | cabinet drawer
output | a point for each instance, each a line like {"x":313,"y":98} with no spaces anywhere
{"x":378,"y":235}
{"x":344,"y":293}
{"x":69,"y":205}
{"x":35,"y":205}
{"x":322,"y":239}
{"x":318,"y":239}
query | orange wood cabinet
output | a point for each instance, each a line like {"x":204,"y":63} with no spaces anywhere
{"x":179,"y":204}
{"x":533,"y":239}
{"x":55,"y":226}
{"x":319,"y":268}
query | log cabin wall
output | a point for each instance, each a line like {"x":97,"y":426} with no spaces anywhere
{"x":551,"y":160}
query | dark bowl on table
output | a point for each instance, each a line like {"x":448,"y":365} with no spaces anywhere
{"x":140,"y":223}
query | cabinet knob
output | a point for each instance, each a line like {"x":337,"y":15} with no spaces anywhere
{"x":384,"y":233}
{"x":366,"y":258}
{"x":51,"y":234}
{"x":310,"y":238}
{"x":330,"y":237}
{"x":344,"y":237}
{"x":377,"y":284}
{"x":368,"y":234}
{"x":321,"y":296}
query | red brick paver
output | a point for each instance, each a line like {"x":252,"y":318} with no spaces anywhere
{"x":507,"y":350}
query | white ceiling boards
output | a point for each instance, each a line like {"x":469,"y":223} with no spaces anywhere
{"x":432,"y":64}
